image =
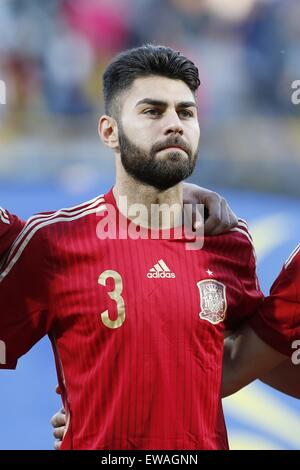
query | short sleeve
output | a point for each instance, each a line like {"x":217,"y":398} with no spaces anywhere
{"x":10,"y":227}
{"x":278,"y":321}
{"x":251,"y":296}
{"x":24,"y":316}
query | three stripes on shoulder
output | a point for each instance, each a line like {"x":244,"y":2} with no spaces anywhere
{"x":4,"y":217}
{"x":242,"y":227}
{"x":38,"y":221}
{"x":292,"y":256}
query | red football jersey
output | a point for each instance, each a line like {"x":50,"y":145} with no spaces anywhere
{"x":278,"y":322}
{"x":136,"y":325}
{"x":10,"y":227}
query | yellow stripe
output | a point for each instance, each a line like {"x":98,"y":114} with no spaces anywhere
{"x":255,"y":406}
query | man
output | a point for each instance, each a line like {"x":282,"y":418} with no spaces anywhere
{"x":136,"y":322}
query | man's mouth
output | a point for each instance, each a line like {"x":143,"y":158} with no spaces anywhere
{"x":174,"y":147}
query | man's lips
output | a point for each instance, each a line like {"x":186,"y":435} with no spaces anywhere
{"x":173,"y":147}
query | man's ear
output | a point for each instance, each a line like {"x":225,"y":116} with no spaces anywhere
{"x":108,"y":131}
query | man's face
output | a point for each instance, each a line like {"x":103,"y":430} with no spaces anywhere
{"x":159,"y":131}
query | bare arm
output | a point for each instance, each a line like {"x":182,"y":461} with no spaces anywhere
{"x":246,"y":358}
{"x":285,"y":378}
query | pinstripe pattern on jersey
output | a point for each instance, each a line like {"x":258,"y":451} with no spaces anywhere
{"x":35,"y":224}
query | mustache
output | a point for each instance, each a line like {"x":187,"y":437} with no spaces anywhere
{"x":170,"y":142}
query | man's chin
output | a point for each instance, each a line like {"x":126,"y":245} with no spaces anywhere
{"x":173,"y":155}
{"x":163,"y":185}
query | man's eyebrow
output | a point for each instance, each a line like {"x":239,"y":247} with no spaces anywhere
{"x":152,"y":102}
{"x":186,"y":104}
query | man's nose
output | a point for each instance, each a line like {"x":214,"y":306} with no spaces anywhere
{"x":173,"y":124}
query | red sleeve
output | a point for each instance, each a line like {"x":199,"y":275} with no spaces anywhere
{"x":10,"y":228}
{"x":251,"y":296}
{"x":24,"y":317}
{"x":278,"y":321}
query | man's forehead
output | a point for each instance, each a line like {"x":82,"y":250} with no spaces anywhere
{"x":160,"y":89}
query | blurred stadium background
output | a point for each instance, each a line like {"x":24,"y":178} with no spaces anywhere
{"x":52,"y":54}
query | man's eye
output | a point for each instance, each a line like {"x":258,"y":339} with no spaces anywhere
{"x":152,"y":112}
{"x":185,"y":113}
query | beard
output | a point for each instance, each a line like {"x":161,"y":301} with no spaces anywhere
{"x":161,"y":173}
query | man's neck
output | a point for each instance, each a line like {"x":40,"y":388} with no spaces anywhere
{"x":129,"y":192}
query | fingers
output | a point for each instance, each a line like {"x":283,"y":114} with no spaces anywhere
{"x":214,"y":209}
{"x":221,"y":218}
{"x":57,"y":445}
{"x":212,"y":206}
{"x":233,"y":220}
{"x":59,"y":419}
{"x":58,"y":433}
{"x":197,"y":217}
{"x":224,"y":224}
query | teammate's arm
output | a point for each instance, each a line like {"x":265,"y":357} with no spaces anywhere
{"x":285,"y":378}
{"x":265,"y":349}
{"x":247,"y":357}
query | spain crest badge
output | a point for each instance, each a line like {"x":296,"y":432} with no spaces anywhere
{"x":213,"y":300}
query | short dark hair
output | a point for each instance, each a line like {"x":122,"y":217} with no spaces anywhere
{"x":145,"y":61}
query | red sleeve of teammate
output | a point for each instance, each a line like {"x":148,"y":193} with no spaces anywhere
{"x":252,"y":296}
{"x":23,"y":298}
{"x":278,"y":321}
{"x":10,"y":227}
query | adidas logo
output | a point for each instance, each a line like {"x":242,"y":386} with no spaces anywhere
{"x":161,"y":271}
